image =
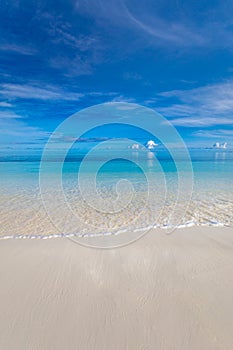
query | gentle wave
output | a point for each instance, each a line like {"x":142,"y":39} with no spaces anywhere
{"x":88,"y":235}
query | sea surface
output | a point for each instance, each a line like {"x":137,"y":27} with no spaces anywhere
{"x":110,"y":194}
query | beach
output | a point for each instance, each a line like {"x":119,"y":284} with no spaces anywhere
{"x":153,"y":288}
{"x":161,"y":292}
{"x":116,"y":186}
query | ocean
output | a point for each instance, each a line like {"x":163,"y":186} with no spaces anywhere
{"x":112,"y":193}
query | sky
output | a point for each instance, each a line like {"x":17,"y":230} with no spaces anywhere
{"x":57,"y":57}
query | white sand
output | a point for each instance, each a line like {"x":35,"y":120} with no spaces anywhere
{"x":162,"y":292}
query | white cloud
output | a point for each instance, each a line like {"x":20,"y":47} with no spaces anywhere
{"x":158,"y":27}
{"x":5,"y":104}
{"x":9,"y":115}
{"x":14,"y":129}
{"x":122,"y":98}
{"x":98,"y":93}
{"x":33,"y":91}
{"x":47,"y":92}
{"x":23,"y":50}
{"x":220,"y":134}
{"x":200,"y":122}
{"x":71,"y":67}
{"x":204,"y":106}
{"x":75,"y":53}
{"x":173,"y":32}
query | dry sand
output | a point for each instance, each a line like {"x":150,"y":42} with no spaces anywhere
{"x":161,"y":292}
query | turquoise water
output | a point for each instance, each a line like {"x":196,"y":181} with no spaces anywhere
{"x":100,"y":202}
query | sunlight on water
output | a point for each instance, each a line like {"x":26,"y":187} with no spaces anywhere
{"x":22,"y":211}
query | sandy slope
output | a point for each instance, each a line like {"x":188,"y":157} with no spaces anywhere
{"x":162,"y":292}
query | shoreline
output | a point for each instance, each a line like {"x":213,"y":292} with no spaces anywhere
{"x":160,"y":292}
{"x":89,"y":235}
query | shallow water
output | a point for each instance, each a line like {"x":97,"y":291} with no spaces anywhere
{"x":103,"y":205}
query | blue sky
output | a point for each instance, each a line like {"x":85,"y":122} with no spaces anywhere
{"x":57,"y":57}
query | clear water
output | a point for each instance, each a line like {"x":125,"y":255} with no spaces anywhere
{"x":112,"y":206}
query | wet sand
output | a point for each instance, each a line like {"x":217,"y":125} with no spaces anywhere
{"x":161,"y":292}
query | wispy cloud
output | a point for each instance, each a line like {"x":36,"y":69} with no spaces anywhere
{"x":123,"y":14}
{"x":21,"y":133}
{"x":71,"y":66}
{"x":35,"y":91}
{"x":219,"y":134}
{"x":173,"y":32}
{"x":20,"y":49}
{"x":76,"y":53}
{"x":212,"y":27}
{"x":13,"y":128}
{"x":200,"y":122}
{"x":6,"y":114}
{"x":204,"y":106}
{"x":5,"y":104}
{"x":62,"y":32}
{"x":52,"y":93}
{"x":122,"y":98}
